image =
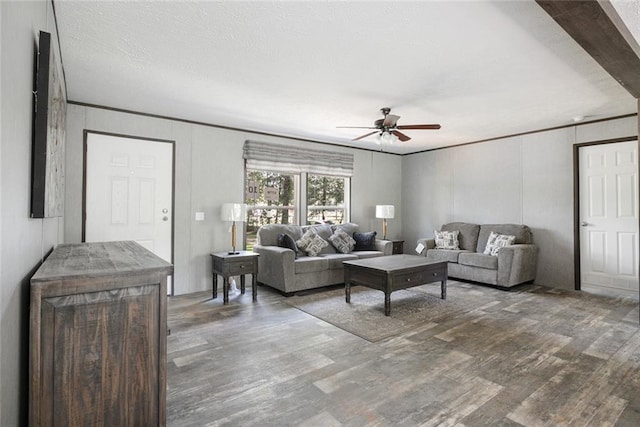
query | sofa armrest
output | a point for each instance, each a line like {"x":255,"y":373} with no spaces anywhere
{"x":517,"y":264}
{"x":275,"y":266}
{"x":428,"y":244}
{"x":385,"y":246}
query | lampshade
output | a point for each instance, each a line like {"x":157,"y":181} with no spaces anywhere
{"x":385,"y":211}
{"x":234,"y":212}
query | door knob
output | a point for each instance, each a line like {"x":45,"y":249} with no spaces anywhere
{"x":584,"y":224}
{"x":165,"y":218}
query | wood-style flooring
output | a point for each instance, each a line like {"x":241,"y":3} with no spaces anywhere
{"x":269,"y":364}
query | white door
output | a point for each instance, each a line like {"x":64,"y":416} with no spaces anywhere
{"x":609,"y":218}
{"x":129,"y":192}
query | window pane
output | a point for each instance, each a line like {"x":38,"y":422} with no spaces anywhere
{"x":270,"y":197}
{"x":325,"y":199}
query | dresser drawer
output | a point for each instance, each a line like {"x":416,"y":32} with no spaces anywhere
{"x":240,"y":267}
{"x":419,"y":277}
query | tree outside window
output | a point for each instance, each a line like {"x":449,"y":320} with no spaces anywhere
{"x":274,"y":198}
{"x":325,"y":199}
{"x":270,"y":197}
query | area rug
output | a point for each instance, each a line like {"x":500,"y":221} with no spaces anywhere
{"x":410,"y":308}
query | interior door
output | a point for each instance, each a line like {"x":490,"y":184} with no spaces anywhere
{"x":609,"y":218}
{"x":128,"y":194}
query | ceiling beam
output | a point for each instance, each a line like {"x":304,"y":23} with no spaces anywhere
{"x":601,"y":36}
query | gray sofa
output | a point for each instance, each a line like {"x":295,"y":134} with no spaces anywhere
{"x":513,"y":265}
{"x":280,"y":269}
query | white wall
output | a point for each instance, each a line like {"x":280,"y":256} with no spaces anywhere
{"x":24,"y":241}
{"x":524,"y":180}
{"x":209,"y":171}
{"x":1,"y":139}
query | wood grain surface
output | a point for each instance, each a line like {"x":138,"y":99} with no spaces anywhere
{"x":98,"y":337}
{"x":535,"y":356}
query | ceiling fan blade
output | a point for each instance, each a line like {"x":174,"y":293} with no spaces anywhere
{"x":434,"y":126}
{"x":365,"y":135}
{"x":356,"y":127}
{"x":390,"y":120}
{"x":401,"y":136}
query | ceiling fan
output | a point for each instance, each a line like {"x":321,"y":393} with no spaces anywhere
{"x":389,"y":125}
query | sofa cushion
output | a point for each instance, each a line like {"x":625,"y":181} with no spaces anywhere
{"x":446,"y":239}
{"x":310,"y":264}
{"x":343,"y":242}
{"x":348,"y":228}
{"x":367,"y":254}
{"x":474,"y":259}
{"x":497,"y":241}
{"x":268,"y":234}
{"x":311,"y":243}
{"x":365,"y":241}
{"x":286,"y":241}
{"x":522,"y":233}
{"x":467,"y":236}
{"x":449,"y":255}
{"x":335,"y":260}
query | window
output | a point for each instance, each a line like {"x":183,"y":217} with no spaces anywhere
{"x":325,"y":199}
{"x":271,"y":199}
{"x":294,"y":185}
{"x":274,"y":198}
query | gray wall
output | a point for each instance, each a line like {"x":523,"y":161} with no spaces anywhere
{"x":24,"y":241}
{"x":524,"y":180}
{"x":209,"y":171}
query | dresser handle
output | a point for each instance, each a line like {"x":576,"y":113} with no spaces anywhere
{"x":241,"y":265}
{"x":435,"y":274}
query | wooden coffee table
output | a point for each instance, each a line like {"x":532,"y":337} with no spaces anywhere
{"x":394,"y":272}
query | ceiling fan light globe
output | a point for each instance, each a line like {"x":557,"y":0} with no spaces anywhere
{"x":386,"y":137}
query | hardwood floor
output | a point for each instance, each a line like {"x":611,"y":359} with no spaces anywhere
{"x":269,"y":364}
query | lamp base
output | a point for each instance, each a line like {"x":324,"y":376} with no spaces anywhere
{"x":233,"y":253}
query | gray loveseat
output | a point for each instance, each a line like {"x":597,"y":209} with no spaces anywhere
{"x":513,"y":265}
{"x":279,"y":268}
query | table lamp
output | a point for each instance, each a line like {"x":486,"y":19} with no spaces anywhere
{"x":385,"y":212}
{"x":234,"y":212}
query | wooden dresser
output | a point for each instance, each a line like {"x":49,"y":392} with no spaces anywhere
{"x":98,"y":338}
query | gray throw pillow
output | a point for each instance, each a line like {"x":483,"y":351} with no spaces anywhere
{"x":446,"y":239}
{"x":497,"y":241}
{"x":365,"y":241}
{"x":311,"y":243}
{"x":342,"y":241}
{"x":286,"y":241}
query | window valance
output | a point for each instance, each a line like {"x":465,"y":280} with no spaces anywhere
{"x":284,"y":158}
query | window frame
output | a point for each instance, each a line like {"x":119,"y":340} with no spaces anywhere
{"x":301,"y":210}
{"x":346,"y":195}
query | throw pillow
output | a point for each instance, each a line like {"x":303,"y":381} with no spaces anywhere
{"x":365,"y":241}
{"x":311,"y":243}
{"x":306,"y":238}
{"x":447,"y":239}
{"x":497,"y":241}
{"x":342,"y":241}
{"x":316,"y":245}
{"x":286,"y":241}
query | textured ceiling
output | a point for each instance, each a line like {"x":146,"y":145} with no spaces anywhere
{"x":481,"y":69}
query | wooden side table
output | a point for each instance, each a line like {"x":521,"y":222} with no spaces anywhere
{"x":398,"y":247}
{"x":229,"y":265}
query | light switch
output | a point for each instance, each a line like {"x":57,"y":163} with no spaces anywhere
{"x":199,"y":216}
